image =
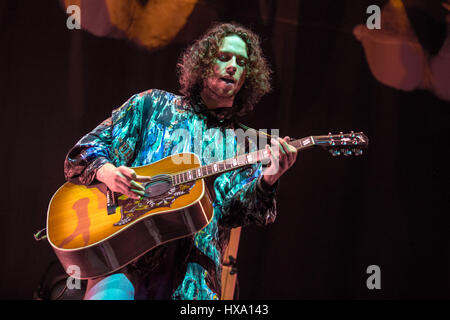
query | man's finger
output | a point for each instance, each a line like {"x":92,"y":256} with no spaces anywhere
{"x":137,"y":185}
{"x":125,"y":184}
{"x":276,"y":144}
{"x":121,"y":175}
{"x":274,"y":158}
{"x":132,"y":194}
{"x":130,"y":190}
{"x":285,"y":146}
{"x":140,"y":192}
{"x":127,"y":191}
{"x":143,"y":179}
{"x":127,"y":172}
{"x":292,"y":152}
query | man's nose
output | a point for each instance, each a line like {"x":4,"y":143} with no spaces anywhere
{"x":232,"y":66}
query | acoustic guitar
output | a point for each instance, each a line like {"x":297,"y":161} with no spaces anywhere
{"x":89,"y":227}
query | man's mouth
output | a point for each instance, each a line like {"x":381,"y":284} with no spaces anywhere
{"x":228,"y":80}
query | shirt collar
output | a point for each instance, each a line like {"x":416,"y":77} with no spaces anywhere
{"x":218,"y":116}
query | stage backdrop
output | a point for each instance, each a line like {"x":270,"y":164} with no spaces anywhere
{"x":336,"y":217}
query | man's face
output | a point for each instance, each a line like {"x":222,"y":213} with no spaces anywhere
{"x":229,"y":69}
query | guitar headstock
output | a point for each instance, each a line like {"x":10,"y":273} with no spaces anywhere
{"x":346,"y":144}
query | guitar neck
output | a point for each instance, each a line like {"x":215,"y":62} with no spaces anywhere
{"x":234,"y":163}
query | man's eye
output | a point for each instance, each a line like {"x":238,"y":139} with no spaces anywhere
{"x":242,"y":62}
{"x":223,"y":57}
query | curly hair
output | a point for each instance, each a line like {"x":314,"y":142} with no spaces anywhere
{"x":196,"y":64}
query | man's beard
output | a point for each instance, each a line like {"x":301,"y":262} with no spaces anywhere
{"x":222,"y":99}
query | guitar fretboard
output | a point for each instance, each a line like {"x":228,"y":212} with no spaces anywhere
{"x":233,"y":163}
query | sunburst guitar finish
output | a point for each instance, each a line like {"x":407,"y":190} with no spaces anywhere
{"x":86,"y":232}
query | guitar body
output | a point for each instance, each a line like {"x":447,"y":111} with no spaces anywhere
{"x":85,"y":231}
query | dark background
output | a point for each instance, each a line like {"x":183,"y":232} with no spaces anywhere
{"x":336,"y":216}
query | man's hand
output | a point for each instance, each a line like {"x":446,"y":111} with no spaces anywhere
{"x":122,"y":179}
{"x":282,"y":157}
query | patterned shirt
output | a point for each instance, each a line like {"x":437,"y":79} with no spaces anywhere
{"x":156,"y":124}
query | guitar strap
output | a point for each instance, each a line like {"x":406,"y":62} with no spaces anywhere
{"x":202,"y":259}
{"x":229,"y":271}
{"x":243,"y":126}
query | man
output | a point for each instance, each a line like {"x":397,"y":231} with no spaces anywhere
{"x":221,"y":75}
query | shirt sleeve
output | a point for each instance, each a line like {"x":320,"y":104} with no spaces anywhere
{"x":244,"y":198}
{"x":89,"y":154}
{"x":112,"y":141}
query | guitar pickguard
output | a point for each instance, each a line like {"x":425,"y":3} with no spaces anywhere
{"x":131,"y":209}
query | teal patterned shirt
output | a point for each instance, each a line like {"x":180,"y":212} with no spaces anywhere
{"x":156,"y":124}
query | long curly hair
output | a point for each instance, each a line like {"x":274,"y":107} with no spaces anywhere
{"x":197,"y":61}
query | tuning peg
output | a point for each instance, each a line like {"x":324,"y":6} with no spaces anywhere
{"x":335,"y":152}
{"x":346,"y":152}
{"x":331,"y":141}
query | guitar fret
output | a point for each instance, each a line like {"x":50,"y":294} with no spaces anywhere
{"x":222,"y":166}
{"x":218,"y":167}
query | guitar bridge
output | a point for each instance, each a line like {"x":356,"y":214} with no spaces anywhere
{"x":111,"y":205}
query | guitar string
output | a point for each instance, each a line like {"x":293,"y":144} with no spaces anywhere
{"x":243,"y":126}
